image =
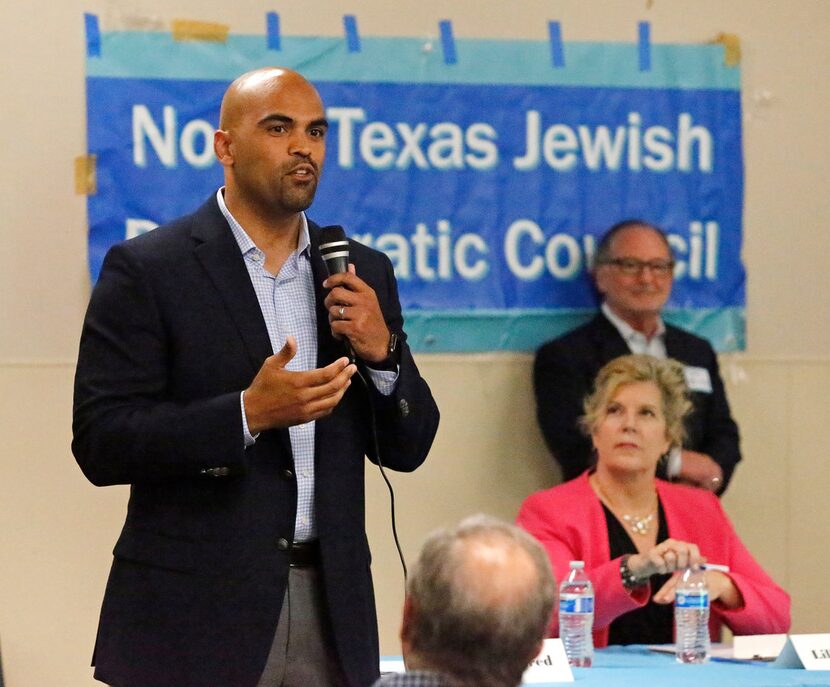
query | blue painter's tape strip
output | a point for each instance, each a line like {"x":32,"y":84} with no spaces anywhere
{"x":272,"y":30}
{"x":93,"y":35}
{"x":155,"y":55}
{"x":448,"y":42}
{"x":557,"y":52}
{"x":645,"y":46}
{"x":352,"y":37}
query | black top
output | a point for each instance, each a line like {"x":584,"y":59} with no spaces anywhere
{"x":653,"y":623}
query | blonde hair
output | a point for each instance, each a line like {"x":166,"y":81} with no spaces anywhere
{"x":667,"y":375}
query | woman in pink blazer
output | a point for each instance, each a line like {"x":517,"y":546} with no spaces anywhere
{"x":634,"y":531}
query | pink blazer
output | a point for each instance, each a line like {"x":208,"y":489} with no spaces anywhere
{"x":569,"y":522}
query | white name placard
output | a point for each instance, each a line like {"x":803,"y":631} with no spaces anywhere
{"x":753,"y":647}
{"x":551,"y":665}
{"x":811,"y":652}
{"x":392,"y":664}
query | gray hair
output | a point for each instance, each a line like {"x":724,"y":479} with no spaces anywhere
{"x":481,"y":630}
{"x":603,"y":253}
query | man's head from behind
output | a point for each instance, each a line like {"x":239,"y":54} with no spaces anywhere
{"x":479,"y":601}
{"x":633,"y":269}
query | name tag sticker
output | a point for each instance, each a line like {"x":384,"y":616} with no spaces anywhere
{"x":811,"y":652}
{"x":551,"y":665}
{"x":698,"y":379}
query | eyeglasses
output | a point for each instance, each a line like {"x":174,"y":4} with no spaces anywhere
{"x":632,"y":266}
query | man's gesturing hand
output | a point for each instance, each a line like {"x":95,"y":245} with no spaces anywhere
{"x":281,"y":398}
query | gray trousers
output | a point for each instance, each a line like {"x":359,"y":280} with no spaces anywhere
{"x":303,"y":653}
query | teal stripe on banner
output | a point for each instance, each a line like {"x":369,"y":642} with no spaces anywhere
{"x":526,"y":330}
{"x":156,"y":55}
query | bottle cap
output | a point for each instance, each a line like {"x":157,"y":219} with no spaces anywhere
{"x":577,"y":565}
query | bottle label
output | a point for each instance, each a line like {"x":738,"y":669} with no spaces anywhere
{"x":682,"y":600}
{"x":576,"y":604}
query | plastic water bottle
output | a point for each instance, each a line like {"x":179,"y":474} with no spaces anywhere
{"x":691,"y":617}
{"x":576,"y":616}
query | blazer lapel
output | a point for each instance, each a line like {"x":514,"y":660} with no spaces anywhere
{"x":608,"y":339}
{"x":674,"y":343}
{"x":218,"y":252}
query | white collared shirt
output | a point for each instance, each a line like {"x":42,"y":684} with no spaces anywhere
{"x":287,"y":303}
{"x":637,"y":341}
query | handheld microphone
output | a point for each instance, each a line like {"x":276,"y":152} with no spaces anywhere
{"x":334,"y":248}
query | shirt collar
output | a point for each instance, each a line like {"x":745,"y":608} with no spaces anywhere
{"x":246,"y":244}
{"x":628,"y":332}
{"x":426,"y":677}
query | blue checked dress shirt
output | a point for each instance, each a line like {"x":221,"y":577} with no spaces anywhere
{"x":415,"y":678}
{"x":287,"y":303}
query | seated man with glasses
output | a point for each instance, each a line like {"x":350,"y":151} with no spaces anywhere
{"x":633,"y":272}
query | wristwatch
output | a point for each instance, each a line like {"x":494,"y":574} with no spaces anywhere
{"x":393,"y":355}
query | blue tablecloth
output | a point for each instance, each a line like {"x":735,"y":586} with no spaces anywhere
{"x":636,"y":666}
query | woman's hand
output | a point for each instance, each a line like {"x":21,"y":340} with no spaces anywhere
{"x":720,"y":585}
{"x":666,"y":557}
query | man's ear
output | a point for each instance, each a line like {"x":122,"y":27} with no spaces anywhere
{"x":599,"y":276}
{"x":407,"y":621}
{"x":222,"y":147}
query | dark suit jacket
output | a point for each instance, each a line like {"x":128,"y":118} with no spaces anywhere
{"x":173,"y":333}
{"x":564,"y":373}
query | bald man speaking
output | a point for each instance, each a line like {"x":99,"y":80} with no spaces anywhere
{"x":217,"y":377}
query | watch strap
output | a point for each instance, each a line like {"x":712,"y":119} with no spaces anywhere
{"x":393,"y":355}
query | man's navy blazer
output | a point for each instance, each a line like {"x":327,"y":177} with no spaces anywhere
{"x":173,"y":333}
{"x":564,"y":373}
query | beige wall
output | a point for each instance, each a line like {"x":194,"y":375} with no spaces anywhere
{"x":56,"y":531}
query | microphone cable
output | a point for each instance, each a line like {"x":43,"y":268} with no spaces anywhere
{"x":334,"y":249}
{"x":370,"y":387}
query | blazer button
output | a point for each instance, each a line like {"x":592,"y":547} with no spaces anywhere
{"x":287,"y":474}
{"x":403,"y":406}
{"x":282,"y":544}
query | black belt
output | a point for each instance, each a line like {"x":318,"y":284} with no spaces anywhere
{"x":304,"y":554}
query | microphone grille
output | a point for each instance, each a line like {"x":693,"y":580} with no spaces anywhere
{"x":332,"y":234}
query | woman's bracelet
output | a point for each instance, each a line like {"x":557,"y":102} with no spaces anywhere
{"x":629,"y":580}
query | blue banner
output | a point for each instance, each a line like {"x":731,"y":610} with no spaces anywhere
{"x":487,"y":181}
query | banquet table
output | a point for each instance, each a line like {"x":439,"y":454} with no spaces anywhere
{"x":637,"y":666}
